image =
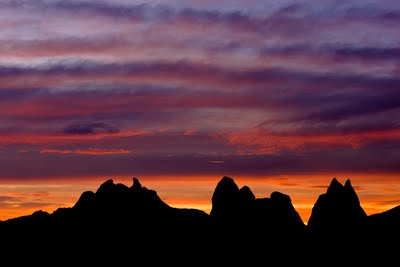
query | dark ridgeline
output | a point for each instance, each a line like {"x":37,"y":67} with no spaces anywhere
{"x":118,"y":222}
{"x":272,"y":222}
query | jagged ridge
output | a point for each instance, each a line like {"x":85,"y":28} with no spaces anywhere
{"x":237,"y":219}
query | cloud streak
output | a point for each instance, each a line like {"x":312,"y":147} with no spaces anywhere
{"x":90,"y":151}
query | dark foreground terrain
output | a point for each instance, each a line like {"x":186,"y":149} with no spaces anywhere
{"x":131,"y":225}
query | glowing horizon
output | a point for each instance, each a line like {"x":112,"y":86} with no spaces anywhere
{"x":28,"y":196}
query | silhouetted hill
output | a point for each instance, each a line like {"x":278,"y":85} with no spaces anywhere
{"x":135,"y":220}
{"x":384,"y":226}
{"x":113,"y":206}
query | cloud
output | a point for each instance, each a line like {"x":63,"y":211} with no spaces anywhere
{"x":216,"y":161}
{"x":90,"y":128}
{"x":89,"y":151}
{"x":335,"y":54}
{"x":261,"y":141}
{"x":286,"y":25}
{"x":24,"y":201}
{"x":180,"y":75}
{"x":329,"y":161}
{"x":7,"y":198}
{"x":36,"y":138}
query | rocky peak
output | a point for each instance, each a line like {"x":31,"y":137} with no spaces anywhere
{"x":136,"y":184}
{"x":105,"y":187}
{"x":336,"y":210}
{"x":225,"y":199}
{"x":246,"y":195}
{"x":268,"y":217}
{"x":226,"y":188}
{"x":335,"y":187}
{"x":280,"y":199}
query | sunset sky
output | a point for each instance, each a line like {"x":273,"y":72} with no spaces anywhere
{"x":279,"y":95}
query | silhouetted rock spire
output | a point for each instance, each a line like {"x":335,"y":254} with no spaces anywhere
{"x":273,"y":218}
{"x":334,"y":188}
{"x":225,"y":201}
{"x":336,"y":212}
{"x":136,"y":186}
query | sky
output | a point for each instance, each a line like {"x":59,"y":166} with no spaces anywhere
{"x":279,"y":95}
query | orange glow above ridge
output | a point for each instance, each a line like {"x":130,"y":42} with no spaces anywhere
{"x":377,"y":192}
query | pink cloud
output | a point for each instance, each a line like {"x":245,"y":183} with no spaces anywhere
{"x":216,"y":161}
{"x":259,"y":141}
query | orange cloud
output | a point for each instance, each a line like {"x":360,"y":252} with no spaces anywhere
{"x":189,"y":132}
{"x":43,"y":138}
{"x":90,"y":151}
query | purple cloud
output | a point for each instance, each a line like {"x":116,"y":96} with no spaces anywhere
{"x":90,"y":128}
